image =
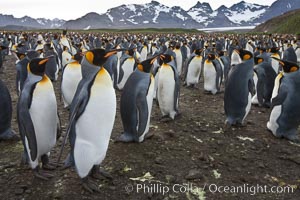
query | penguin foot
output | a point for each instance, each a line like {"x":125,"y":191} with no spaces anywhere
{"x":49,"y":166}
{"x":90,"y":185}
{"x":68,"y":162}
{"x":125,"y":137}
{"x":9,"y":135}
{"x":100,"y":173}
{"x":294,"y":139}
{"x":42,"y":175}
{"x":165,"y":118}
{"x":149,"y":135}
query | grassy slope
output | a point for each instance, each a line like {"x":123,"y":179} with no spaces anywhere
{"x":286,"y":23}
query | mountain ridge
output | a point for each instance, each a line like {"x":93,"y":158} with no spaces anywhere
{"x":157,"y":15}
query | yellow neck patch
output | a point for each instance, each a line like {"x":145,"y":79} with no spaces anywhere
{"x":140,"y":67}
{"x":89,"y":56}
{"x":293,"y":69}
{"x":246,"y":57}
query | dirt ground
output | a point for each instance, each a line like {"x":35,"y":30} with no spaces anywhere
{"x":189,"y":158}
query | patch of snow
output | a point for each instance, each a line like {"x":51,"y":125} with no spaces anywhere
{"x":87,"y":28}
{"x":226,"y":28}
{"x":132,"y":21}
{"x":131,"y":7}
{"x":289,"y":6}
{"x":110,"y":17}
{"x":145,"y":22}
{"x":40,"y":21}
{"x":121,"y":20}
{"x":246,"y":15}
{"x":180,"y":16}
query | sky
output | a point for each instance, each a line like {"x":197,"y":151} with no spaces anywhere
{"x":74,"y":9}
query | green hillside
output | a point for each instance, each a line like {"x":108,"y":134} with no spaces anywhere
{"x":286,"y":23}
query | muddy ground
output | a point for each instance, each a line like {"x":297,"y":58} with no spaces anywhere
{"x":185,"y":159}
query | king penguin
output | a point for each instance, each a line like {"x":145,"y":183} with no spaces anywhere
{"x":193,"y":68}
{"x":37,"y":116}
{"x":168,"y":87}
{"x":127,"y":66}
{"x":179,"y":60}
{"x":136,"y":103}
{"x":92,"y":115}
{"x":238,"y":90}
{"x":1,"y":57}
{"x":70,"y":78}
{"x":265,"y":82}
{"x":6,"y":133}
{"x":285,"y":116}
{"x":213,"y":74}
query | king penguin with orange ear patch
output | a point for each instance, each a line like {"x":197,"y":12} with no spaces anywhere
{"x":239,"y":89}
{"x":37,"y":117}
{"x":285,"y":116}
{"x":92,"y":116}
{"x":136,"y":103}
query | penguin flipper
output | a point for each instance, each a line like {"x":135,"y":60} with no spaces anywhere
{"x":260,"y":89}
{"x":77,"y":107}
{"x":143,"y":112}
{"x":251,"y":86}
{"x":176,"y":91}
{"x":25,"y":123}
{"x":279,"y":99}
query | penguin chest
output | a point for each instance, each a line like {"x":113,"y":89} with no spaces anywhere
{"x":178,"y":61}
{"x":43,"y":112}
{"x":66,"y":58}
{"x":275,"y":63}
{"x":71,"y":77}
{"x":276,"y":85}
{"x":94,"y":126}
{"x":149,"y":98}
{"x":144,"y":53}
{"x":194,"y":70}
{"x":166,"y":87}
{"x":127,"y":68}
{"x":210,"y":76}
{"x":272,"y":124}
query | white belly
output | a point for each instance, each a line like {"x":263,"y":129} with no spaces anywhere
{"x":43,"y":112}
{"x":66,"y":58}
{"x":254,"y":98}
{"x":298,"y":55}
{"x":93,"y":128}
{"x":149,"y":103}
{"x":248,"y":107}
{"x":143,"y":54}
{"x":275,"y":64}
{"x":127,"y":69}
{"x":272,"y":124}
{"x":194,"y":70}
{"x":71,"y":78}
{"x":210,"y":74}
{"x":165,"y":92}
{"x":178,"y":61}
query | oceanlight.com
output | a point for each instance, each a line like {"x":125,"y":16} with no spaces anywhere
{"x":159,"y":188}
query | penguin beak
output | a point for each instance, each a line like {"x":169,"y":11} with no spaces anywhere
{"x":43,"y":61}
{"x":112,"y":52}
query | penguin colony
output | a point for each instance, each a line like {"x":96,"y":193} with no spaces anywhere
{"x":253,"y":70}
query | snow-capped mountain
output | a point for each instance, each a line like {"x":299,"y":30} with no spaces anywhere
{"x":157,"y":15}
{"x":26,"y":21}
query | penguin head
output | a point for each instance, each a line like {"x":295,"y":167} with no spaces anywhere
{"x":258,"y":60}
{"x":198,"y":51}
{"x":78,"y":56}
{"x":99,"y":56}
{"x":244,"y":54}
{"x":287,"y":66}
{"x":165,"y":58}
{"x":37,"y":66}
{"x":274,"y":50}
{"x":211,"y":56}
{"x":146,"y":65}
{"x":2,"y":47}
